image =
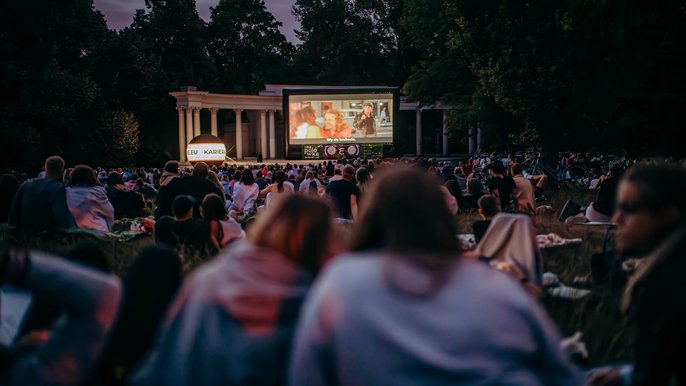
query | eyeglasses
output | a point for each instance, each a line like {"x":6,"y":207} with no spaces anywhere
{"x":628,"y":209}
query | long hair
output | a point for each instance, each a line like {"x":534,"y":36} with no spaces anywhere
{"x":405,"y":213}
{"x":340,"y":119}
{"x":212,"y":210}
{"x":247,"y":177}
{"x":279,"y":178}
{"x":405,"y":210}
{"x":83,"y":175}
{"x":299,"y":227}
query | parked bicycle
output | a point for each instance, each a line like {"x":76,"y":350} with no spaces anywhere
{"x":574,"y":176}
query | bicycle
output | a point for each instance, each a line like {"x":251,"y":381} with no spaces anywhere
{"x":574,"y":176}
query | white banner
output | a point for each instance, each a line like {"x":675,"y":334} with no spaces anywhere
{"x":206,"y":152}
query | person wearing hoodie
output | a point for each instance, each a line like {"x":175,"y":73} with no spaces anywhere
{"x":87,"y":201}
{"x":171,"y":171}
{"x":196,"y":185}
{"x":164,"y":199}
{"x":233,"y":319}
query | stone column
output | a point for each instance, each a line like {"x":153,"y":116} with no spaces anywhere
{"x":213,"y":120}
{"x":418,"y":129}
{"x":239,"y":134}
{"x":445,"y":135}
{"x":263,"y":133}
{"x":189,"y":124}
{"x":182,"y":134}
{"x":196,"y":121}
{"x":272,"y":135}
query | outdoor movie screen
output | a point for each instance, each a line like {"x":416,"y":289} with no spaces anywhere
{"x":341,"y":116}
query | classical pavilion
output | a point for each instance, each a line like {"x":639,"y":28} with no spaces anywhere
{"x":254,"y":123}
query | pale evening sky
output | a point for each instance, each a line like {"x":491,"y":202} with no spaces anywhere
{"x":119,"y":13}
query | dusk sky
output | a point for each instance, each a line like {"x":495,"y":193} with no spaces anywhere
{"x":119,"y":13}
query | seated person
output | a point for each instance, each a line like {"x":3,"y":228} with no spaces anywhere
{"x":89,"y":301}
{"x":510,"y":245}
{"x":523,"y":196}
{"x":182,"y":229}
{"x":603,"y":207}
{"x":127,"y":203}
{"x":488,"y":207}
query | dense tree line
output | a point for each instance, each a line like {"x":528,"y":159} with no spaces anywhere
{"x":583,"y":74}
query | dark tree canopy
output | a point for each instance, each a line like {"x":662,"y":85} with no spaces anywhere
{"x":564,"y":74}
{"x":246,"y":46}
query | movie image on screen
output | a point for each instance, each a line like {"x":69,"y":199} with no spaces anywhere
{"x":338,"y":117}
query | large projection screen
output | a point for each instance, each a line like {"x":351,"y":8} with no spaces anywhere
{"x":340,"y":116}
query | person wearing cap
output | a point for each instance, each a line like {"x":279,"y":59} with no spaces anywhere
{"x":365,"y":121}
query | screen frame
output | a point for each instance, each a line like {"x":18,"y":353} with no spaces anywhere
{"x":287,"y":93}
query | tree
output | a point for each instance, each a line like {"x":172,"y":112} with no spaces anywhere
{"x":581,"y":72}
{"x":163,"y":50}
{"x":443,"y":75}
{"x":346,"y":42}
{"x":244,"y":41}
{"x":49,"y":101}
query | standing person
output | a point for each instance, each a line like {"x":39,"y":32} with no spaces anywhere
{"x":365,"y":121}
{"x":344,"y":193}
{"x":233,"y":319}
{"x":87,"y":201}
{"x":41,"y":204}
{"x":650,"y":216}
{"x":407,"y":309}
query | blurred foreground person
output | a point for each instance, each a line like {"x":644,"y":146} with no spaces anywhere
{"x":651,"y":226}
{"x":407,"y":309}
{"x":66,"y":354}
{"x":149,"y":286}
{"x":233,"y":319}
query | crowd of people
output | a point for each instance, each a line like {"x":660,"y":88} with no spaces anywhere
{"x":284,"y":298}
